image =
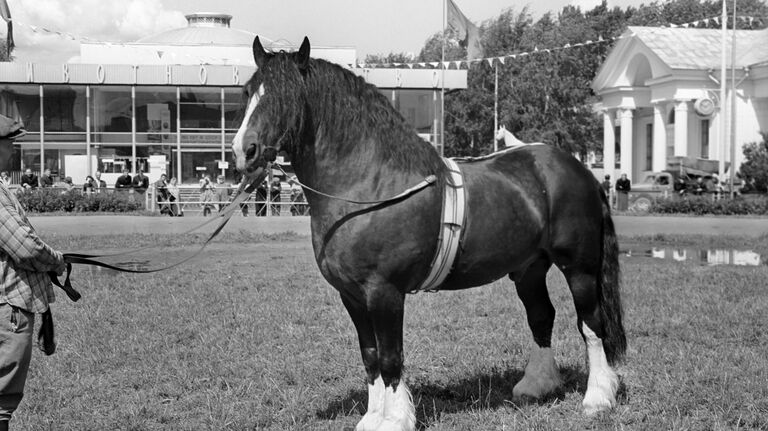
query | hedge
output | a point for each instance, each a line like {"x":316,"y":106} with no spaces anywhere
{"x":700,"y":205}
{"x":54,"y":200}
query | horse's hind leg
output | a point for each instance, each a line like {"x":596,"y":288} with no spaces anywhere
{"x":542,"y":376}
{"x":603,"y":382}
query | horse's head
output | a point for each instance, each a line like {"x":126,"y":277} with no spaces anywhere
{"x":274,"y":114}
{"x":500,"y":133}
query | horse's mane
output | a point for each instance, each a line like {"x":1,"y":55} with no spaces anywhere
{"x":357,"y":119}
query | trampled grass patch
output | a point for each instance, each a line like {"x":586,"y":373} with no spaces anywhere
{"x":249,"y":336}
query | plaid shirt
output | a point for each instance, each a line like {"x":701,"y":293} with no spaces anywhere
{"x":24,"y":259}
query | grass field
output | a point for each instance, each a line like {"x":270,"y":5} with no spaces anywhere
{"x":251,"y":337}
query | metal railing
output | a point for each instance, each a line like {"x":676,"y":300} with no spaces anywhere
{"x":191,"y":199}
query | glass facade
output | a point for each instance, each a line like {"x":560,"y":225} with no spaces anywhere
{"x":184,"y":132}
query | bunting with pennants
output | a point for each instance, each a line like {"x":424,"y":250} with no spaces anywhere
{"x":503,"y":59}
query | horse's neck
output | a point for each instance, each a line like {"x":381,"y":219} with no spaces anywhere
{"x":510,"y":139}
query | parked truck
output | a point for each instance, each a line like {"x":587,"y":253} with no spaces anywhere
{"x":680,"y":178}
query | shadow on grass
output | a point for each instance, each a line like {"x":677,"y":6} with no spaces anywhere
{"x":482,"y":391}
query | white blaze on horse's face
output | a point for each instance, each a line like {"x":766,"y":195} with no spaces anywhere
{"x":239,"y":142}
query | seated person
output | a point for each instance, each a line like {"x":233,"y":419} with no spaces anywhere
{"x":28,"y":180}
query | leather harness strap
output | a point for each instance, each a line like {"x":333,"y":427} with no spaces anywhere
{"x":451,"y":228}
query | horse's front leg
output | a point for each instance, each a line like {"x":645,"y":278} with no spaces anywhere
{"x":374,"y":416}
{"x":386,"y":305}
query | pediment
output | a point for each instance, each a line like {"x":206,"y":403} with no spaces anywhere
{"x":630,"y":63}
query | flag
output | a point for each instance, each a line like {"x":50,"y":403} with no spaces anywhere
{"x":5,"y":13}
{"x":469,"y":34}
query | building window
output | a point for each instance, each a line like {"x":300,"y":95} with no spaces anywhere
{"x":111,"y":113}
{"x":704,"y":139}
{"x":22,"y":103}
{"x":64,"y":110}
{"x":649,"y":147}
{"x":202,"y":142}
{"x":617,"y":145}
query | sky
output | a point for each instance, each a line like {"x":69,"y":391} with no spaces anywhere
{"x":372,"y":27}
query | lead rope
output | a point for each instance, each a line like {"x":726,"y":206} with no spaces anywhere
{"x":243,"y":193}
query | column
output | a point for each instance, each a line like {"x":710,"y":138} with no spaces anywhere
{"x":222,"y":125}
{"x":659,"y":161}
{"x":609,"y":144}
{"x":133,"y":131}
{"x":88,"y":129}
{"x":42,"y":134}
{"x":681,"y":127}
{"x":178,"y":136}
{"x":625,"y":121}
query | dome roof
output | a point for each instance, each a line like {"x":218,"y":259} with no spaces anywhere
{"x":203,"y":29}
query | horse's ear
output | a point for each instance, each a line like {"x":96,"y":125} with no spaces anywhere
{"x":259,"y":54}
{"x":303,"y":56}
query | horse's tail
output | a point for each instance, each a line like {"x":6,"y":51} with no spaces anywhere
{"x":614,"y":340}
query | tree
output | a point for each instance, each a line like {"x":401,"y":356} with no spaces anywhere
{"x":754,"y":170}
{"x":5,"y":53}
{"x":390,"y":59}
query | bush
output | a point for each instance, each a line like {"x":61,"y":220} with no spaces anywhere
{"x":699,"y":205}
{"x":755,"y":167}
{"x":53,"y":200}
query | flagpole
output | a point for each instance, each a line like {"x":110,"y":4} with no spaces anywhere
{"x":495,"y":108}
{"x":442,"y":86}
{"x":723,"y":122}
{"x":733,"y":100}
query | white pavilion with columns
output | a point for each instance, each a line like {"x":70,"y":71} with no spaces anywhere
{"x":659,"y":91}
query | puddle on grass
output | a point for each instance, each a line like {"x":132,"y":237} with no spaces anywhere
{"x":696,"y":255}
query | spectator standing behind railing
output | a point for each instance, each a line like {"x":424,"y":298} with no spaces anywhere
{"x":123,"y":182}
{"x":89,"y":185}
{"x":274,"y":195}
{"x":221,"y":193}
{"x":606,"y":184}
{"x":206,"y":194}
{"x":28,"y":180}
{"x":98,"y":183}
{"x":140,"y":183}
{"x":173,"y":191}
{"x":46,"y":180}
{"x":623,"y":187}
{"x":164,"y":197}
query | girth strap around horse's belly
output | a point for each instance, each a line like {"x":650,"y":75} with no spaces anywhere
{"x":451,"y":228}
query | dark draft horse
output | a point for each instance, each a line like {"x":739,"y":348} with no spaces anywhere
{"x":527,"y":209}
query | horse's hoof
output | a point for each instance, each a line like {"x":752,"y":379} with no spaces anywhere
{"x":542,"y":377}
{"x":390,"y":425}
{"x":597,"y":404}
{"x":369,"y":422}
{"x":535,"y":388}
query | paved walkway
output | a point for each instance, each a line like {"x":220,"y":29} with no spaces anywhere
{"x":118,"y":224}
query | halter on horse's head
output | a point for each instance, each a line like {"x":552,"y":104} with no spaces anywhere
{"x":273,"y":118}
